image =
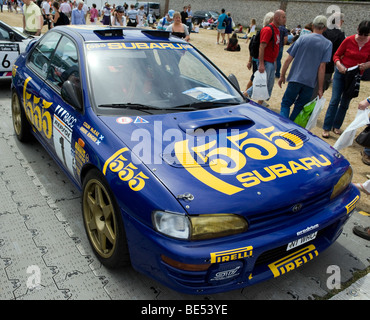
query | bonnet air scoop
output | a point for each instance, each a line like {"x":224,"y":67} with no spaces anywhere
{"x":234,"y":122}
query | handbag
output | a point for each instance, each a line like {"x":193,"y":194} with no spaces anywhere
{"x":348,"y":136}
{"x":305,"y":114}
{"x":363,"y":139}
{"x":260,"y":91}
{"x":352,"y":82}
{"x":312,"y":122}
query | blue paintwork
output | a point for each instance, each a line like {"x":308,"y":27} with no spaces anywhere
{"x":267,"y":206}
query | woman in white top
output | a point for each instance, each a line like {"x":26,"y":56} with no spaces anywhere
{"x":141,"y":17}
{"x":118,"y":18}
{"x":106,"y":14}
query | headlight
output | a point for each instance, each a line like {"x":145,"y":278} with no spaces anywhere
{"x":198,"y":227}
{"x":343,"y":183}
{"x":172,"y":224}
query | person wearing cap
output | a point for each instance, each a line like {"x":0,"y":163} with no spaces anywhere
{"x":132,"y":17}
{"x":166,"y":21}
{"x":309,"y":55}
{"x":118,"y":17}
{"x":78,"y":15}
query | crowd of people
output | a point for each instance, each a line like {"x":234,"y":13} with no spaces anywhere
{"x":63,"y":12}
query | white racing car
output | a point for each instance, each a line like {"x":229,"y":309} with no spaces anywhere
{"x":12,"y":43}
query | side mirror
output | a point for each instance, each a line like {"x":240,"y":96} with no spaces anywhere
{"x":11,"y":36}
{"x":30,"y":45}
{"x":234,"y":81}
{"x":72,"y":94}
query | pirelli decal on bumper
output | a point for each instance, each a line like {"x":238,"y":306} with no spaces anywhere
{"x":231,"y":255}
{"x":293,"y":260}
{"x":352,"y":205}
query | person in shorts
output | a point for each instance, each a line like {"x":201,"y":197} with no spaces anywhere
{"x":221,"y":26}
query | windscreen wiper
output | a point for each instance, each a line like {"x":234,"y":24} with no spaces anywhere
{"x":139,"y":106}
{"x":199,"y":105}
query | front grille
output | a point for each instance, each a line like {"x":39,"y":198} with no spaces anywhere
{"x":261,"y":221}
{"x":280,"y":252}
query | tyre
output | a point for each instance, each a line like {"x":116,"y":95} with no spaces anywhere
{"x":20,"y":123}
{"x":103,"y":221}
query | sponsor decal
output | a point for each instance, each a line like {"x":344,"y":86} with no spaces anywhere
{"x":294,"y":260}
{"x":81,"y":157}
{"x":352,"y":205}
{"x":137,"y":46}
{"x":124,"y":120}
{"x":91,"y":133}
{"x":36,"y":110}
{"x":125,"y":170}
{"x":208,"y":162}
{"x":226,"y":274}
{"x":62,"y":138}
{"x":308,"y":229}
{"x":231,"y":255}
{"x":68,"y":119}
{"x":140,"y":120}
{"x":14,"y":70}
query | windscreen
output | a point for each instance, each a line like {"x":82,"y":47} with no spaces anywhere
{"x":162,"y":75}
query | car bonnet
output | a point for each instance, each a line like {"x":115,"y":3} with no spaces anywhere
{"x":230,"y":159}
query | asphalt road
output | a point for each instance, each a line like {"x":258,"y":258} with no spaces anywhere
{"x":44,"y":252}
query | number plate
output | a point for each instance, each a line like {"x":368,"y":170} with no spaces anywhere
{"x":298,"y":242}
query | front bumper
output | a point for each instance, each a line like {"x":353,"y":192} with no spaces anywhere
{"x":235,"y":261}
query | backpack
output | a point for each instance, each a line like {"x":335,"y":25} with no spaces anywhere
{"x":65,"y":19}
{"x":254,"y":46}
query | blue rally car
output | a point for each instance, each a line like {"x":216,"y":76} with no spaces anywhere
{"x":180,"y":175}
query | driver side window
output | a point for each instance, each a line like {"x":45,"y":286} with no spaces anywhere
{"x":64,"y":64}
{"x":39,"y":59}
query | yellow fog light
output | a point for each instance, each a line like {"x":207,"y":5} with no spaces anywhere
{"x":343,"y":183}
{"x":210,"y":226}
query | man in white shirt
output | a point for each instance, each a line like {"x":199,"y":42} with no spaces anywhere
{"x":132,"y":18}
{"x":32,"y":18}
{"x":85,"y":9}
{"x":66,"y":8}
{"x":45,"y":9}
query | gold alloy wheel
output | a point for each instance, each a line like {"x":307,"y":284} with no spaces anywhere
{"x":99,"y":217}
{"x":16,"y":114}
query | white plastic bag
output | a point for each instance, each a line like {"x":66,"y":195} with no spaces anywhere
{"x":260,"y":91}
{"x":315,"y":113}
{"x":348,"y":135}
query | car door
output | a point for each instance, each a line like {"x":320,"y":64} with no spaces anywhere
{"x":64,"y":67}
{"x":36,"y":106}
